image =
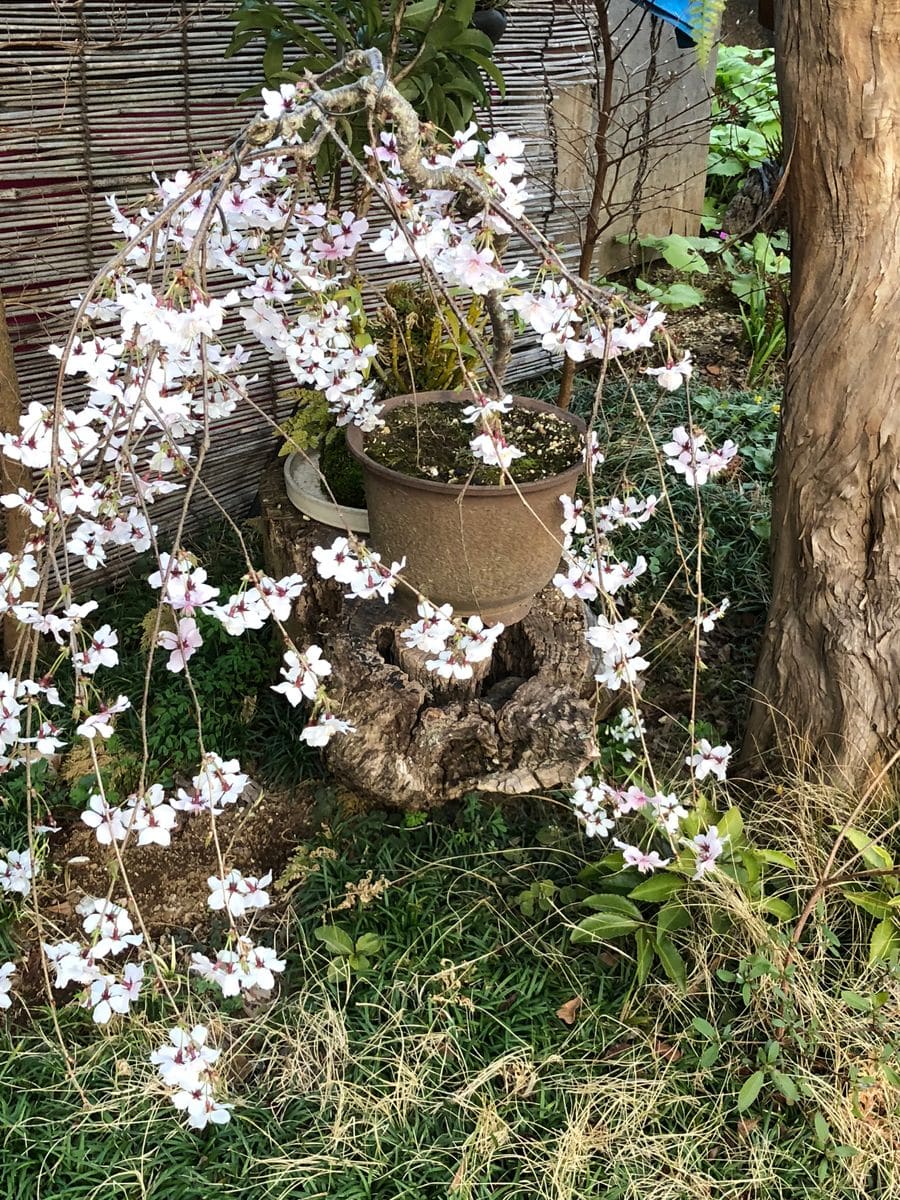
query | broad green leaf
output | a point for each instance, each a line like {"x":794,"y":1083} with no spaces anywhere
{"x":750,"y":1090}
{"x":704,"y":1028}
{"x":823,"y":1133}
{"x":777,"y":907}
{"x":660,"y":886}
{"x":872,"y":902}
{"x":602,"y":927}
{"x":854,"y":1000}
{"x":681,"y":255}
{"x":335,"y":939}
{"x":731,"y":825}
{"x":673,"y":963}
{"x":710,"y":1054}
{"x":884,"y":940}
{"x":643,"y":955}
{"x":675,"y":296}
{"x":609,"y":902}
{"x":786,"y":1086}
{"x":874,"y":856}
{"x":369,"y":943}
{"x":672,"y":917}
{"x":777,"y":859}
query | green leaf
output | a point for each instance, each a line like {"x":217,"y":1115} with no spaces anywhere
{"x":884,"y":940}
{"x":786,"y":1086}
{"x":643,"y":955}
{"x":335,"y":939}
{"x":675,"y":296}
{"x":369,"y":943}
{"x":704,"y":1028}
{"x":660,"y":886}
{"x":611,"y":903}
{"x":710,"y":1054}
{"x":823,"y":1133}
{"x":854,"y":1000}
{"x":777,"y":907}
{"x":673,"y":963}
{"x":870,"y":902}
{"x":776,"y":858}
{"x":681,"y":255}
{"x":602,"y":927}
{"x":751,"y":1089}
{"x":731,"y":825}
{"x":672,"y":917}
{"x":874,"y":856}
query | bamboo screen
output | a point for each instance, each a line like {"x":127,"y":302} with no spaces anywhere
{"x":96,"y":94}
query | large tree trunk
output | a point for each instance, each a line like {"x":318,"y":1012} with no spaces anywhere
{"x":829,"y":670}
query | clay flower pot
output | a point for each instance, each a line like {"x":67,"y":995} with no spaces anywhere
{"x":478,"y":548}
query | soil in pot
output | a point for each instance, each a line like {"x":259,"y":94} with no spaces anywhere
{"x":431,"y":442}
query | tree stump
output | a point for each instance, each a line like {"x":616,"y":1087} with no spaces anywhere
{"x":525,"y":726}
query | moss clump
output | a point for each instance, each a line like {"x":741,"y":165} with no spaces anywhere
{"x":342,"y":472}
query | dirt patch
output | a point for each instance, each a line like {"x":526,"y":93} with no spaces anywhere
{"x":169,"y":883}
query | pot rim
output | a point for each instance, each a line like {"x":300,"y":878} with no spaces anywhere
{"x":479,"y":491}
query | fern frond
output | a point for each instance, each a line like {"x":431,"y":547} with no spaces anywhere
{"x":705,"y":17}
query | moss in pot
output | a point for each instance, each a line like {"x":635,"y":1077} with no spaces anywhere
{"x":468,"y":538}
{"x":313,"y":444}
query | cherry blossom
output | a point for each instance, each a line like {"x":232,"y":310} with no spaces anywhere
{"x":181,"y":643}
{"x":7,"y":970}
{"x":673,"y":374}
{"x":186,"y":1065}
{"x":100,"y":652}
{"x":151,"y":817}
{"x":236,"y":894}
{"x":218,"y":783}
{"x":494,"y":450}
{"x":110,"y":925}
{"x":645,"y":861}
{"x":105,"y":820}
{"x":99,"y":722}
{"x":620,"y":651}
{"x":71,"y":962}
{"x":106,"y":997}
{"x":430,"y":633}
{"x":17,"y":871}
{"x":708,"y":848}
{"x":319,"y":733}
{"x":484,"y":406}
{"x":589,"y":800}
{"x":707,"y":621}
{"x":246,"y":967}
{"x":709,"y":760}
{"x":302,"y":674}
{"x":687,"y":455}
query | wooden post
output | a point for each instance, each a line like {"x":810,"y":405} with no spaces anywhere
{"x":12,"y":474}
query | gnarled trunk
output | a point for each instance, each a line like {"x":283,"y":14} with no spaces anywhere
{"x":830,"y":663}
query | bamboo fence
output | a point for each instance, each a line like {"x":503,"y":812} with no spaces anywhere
{"x":97,"y":94}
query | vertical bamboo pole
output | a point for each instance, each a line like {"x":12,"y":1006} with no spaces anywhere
{"x":12,"y":474}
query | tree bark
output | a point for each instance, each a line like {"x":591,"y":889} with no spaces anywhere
{"x":829,"y":669}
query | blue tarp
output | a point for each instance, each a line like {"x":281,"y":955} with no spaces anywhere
{"x":676,"y":12}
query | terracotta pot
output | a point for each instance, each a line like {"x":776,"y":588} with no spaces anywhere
{"x":478,"y":548}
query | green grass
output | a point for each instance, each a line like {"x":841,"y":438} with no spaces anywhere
{"x":443,"y":1071}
